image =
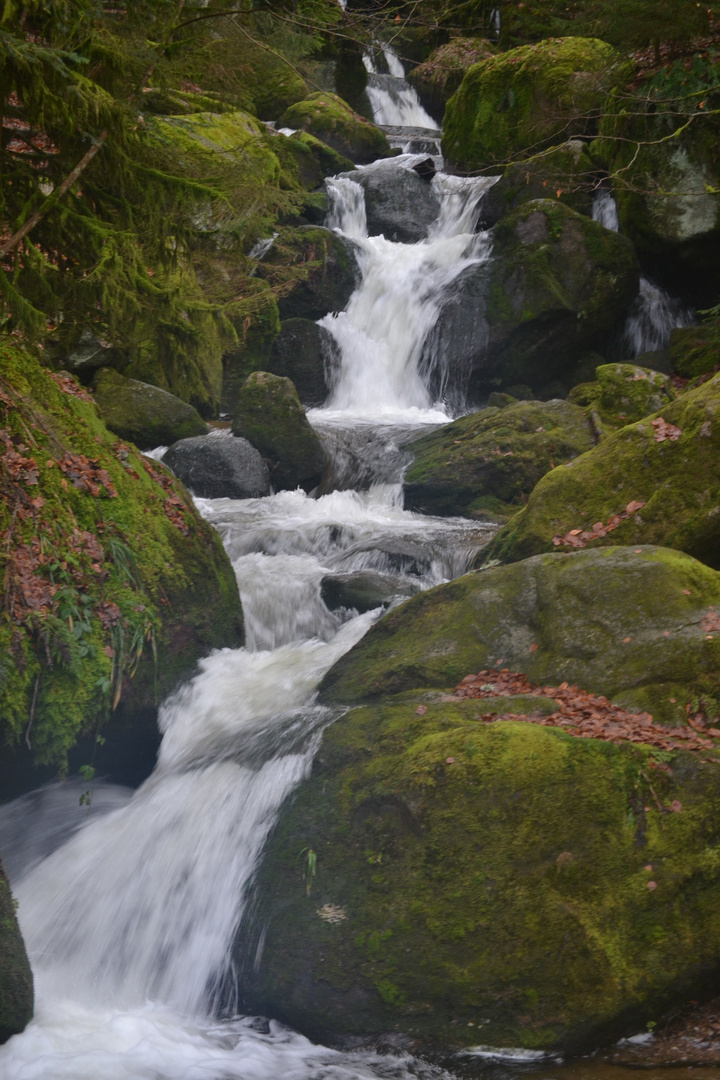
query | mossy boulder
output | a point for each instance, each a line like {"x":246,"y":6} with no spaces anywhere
{"x":313,"y":159}
{"x":566,"y":173}
{"x":311,"y":270}
{"x":501,"y":885}
{"x":115,"y":586}
{"x":622,"y":393}
{"x":676,"y":474}
{"x":520,"y":101}
{"x":437,"y":78}
{"x":269,"y":415}
{"x":16,"y":980}
{"x":144,"y":414}
{"x":666,"y":189}
{"x":306,"y":354}
{"x":628,"y":623}
{"x":330,"y":119}
{"x":555,"y":287}
{"x":695,"y":350}
{"x":487,"y":463}
{"x":219,"y":466}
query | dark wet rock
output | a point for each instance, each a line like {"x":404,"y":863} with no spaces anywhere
{"x":305,"y":353}
{"x":364,"y":590}
{"x":219,"y":467}
{"x":144,"y":414}
{"x":268,"y":414}
{"x":16,"y":980}
{"x":400,"y":205}
{"x":312,"y":269}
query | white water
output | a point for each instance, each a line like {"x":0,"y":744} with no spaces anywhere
{"x":382,"y":331}
{"x":394,"y":102}
{"x":655,"y":313}
{"x":130,"y":913}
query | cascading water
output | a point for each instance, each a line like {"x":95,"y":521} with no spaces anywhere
{"x":394,"y":102}
{"x":129,"y":915}
{"x":654,"y":313}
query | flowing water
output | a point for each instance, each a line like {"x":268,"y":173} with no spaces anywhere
{"x":394,"y":102}
{"x":130,"y":908}
{"x":655,"y":313}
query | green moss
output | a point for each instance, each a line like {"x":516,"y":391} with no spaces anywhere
{"x":522,"y":100}
{"x":268,"y":414}
{"x":438,"y":77}
{"x":142,"y":413}
{"x":96,"y":582}
{"x":559,"y":281}
{"x":309,"y":159}
{"x":566,"y":173}
{"x":695,"y":350}
{"x":16,"y":981}
{"x":597,"y":618}
{"x":332,"y":121}
{"x":489,"y":885}
{"x":493,"y":458}
{"x":679,"y":482}
{"x":312,"y":271}
{"x":626,"y":392}
{"x":257,"y":323}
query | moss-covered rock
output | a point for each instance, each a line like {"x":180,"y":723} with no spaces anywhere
{"x":566,"y":173}
{"x":695,"y":350}
{"x":332,"y":121}
{"x":313,"y":159}
{"x":667,"y":180}
{"x":144,"y":414}
{"x":438,"y":77}
{"x":463,"y":884}
{"x":485,"y":464}
{"x":622,"y":393}
{"x":554,"y":288}
{"x":516,"y":103}
{"x":628,"y":623}
{"x":306,"y":354}
{"x":268,"y":414}
{"x":16,"y":981}
{"x":311,"y":270}
{"x":678,"y":480}
{"x":257,"y":324}
{"x":115,"y":586}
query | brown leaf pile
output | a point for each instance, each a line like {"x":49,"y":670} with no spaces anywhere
{"x":665,"y":431}
{"x":174,"y":506}
{"x":577,"y":538}
{"x":587,"y":716}
{"x":68,"y":385}
{"x":86,"y":474}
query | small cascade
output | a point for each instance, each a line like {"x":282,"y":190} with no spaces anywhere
{"x":394,"y":102}
{"x":382,"y":332}
{"x":654,"y":314}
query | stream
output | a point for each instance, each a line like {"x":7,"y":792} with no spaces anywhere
{"x":129,"y":907}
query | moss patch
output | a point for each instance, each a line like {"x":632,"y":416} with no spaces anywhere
{"x":478,"y":884}
{"x":520,"y":101}
{"x":624,"y":392}
{"x":332,"y":121}
{"x":493,"y":458}
{"x":679,"y":482}
{"x":107,"y":562}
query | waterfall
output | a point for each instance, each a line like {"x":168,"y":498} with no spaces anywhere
{"x":394,"y":102}
{"x":381,"y":333}
{"x":654,"y":313}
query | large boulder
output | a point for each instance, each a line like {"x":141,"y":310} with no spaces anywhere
{"x":488,"y":462}
{"x":268,"y":414}
{"x":313,"y":159}
{"x":312,"y":270}
{"x":554,"y":289}
{"x":695,"y":350}
{"x":629,"y":623}
{"x":115,"y":586}
{"x":16,"y":980}
{"x":446,"y":883}
{"x":219,"y":467}
{"x":306,"y":354}
{"x":437,"y":78}
{"x":518,"y":102}
{"x":667,"y":467}
{"x":144,"y":414}
{"x":566,"y":173}
{"x":622,"y":393}
{"x":330,"y":119}
{"x":400,"y":205}
{"x":667,"y":176}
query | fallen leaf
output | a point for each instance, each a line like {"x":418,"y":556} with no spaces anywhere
{"x":421,"y":710}
{"x":652,"y":885}
{"x":534,"y":647}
